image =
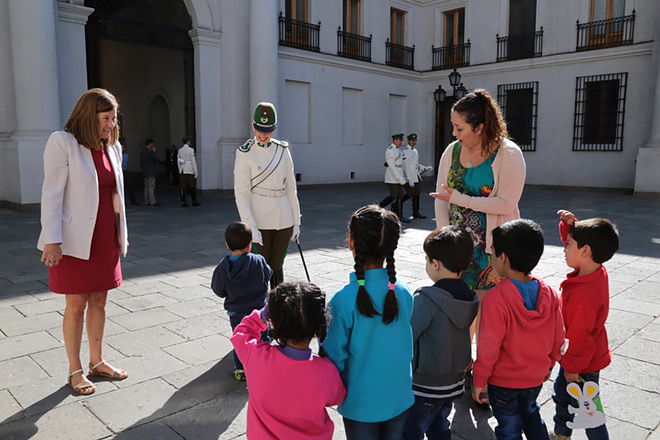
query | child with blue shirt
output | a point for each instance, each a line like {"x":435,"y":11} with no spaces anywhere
{"x":369,"y":336}
{"x":242,"y":279}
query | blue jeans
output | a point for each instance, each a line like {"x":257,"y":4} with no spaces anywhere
{"x":391,"y":429}
{"x":516,"y":412}
{"x":430,"y":416}
{"x":563,"y":399}
{"x":235,"y":318}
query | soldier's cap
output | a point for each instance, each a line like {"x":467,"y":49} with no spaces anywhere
{"x":412,"y":137}
{"x":397,"y":136}
{"x":265,"y":117}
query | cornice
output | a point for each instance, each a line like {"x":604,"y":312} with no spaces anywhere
{"x":205,"y":37}
{"x":75,"y":14}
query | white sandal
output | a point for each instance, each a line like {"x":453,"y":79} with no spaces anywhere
{"x":80,"y":388}
{"x":116,"y":374}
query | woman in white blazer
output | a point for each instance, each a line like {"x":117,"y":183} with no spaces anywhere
{"x":84,"y":226}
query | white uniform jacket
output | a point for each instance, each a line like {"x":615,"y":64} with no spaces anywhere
{"x":413,"y":168}
{"x":186,"y":160}
{"x":70,"y":196}
{"x":265,"y":185}
{"x":395,"y":170}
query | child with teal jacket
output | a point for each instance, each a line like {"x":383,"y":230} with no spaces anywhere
{"x":369,"y":337}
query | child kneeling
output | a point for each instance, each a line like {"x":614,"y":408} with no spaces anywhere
{"x":289,"y":386}
{"x":520,"y":335}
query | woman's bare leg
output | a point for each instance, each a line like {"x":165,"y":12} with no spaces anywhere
{"x":96,"y":325}
{"x":95,"y":328}
{"x":72,"y":327}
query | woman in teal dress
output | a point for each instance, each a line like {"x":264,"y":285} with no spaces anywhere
{"x":480,"y":180}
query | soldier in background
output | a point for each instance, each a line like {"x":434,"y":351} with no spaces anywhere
{"x":265,"y":190}
{"x":395,"y":176}
{"x":187,"y":172}
{"x":414,"y":173}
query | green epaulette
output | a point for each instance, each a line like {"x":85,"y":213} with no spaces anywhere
{"x":246,"y":146}
{"x":283,"y":144}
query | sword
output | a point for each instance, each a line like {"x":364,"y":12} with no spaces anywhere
{"x":303,"y":260}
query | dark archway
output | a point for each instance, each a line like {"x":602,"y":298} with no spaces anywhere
{"x":141,"y":51}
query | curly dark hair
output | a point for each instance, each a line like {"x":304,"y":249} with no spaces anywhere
{"x":479,"y":107}
{"x":297,"y":312}
{"x":375,"y":232}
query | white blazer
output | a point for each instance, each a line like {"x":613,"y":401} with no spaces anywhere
{"x":70,"y":196}
{"x":186,"y":160}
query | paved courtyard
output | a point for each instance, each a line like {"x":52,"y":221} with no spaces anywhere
{"x":167,"y":328}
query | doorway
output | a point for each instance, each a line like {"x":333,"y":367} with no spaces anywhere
{"x":443,"y":129}
{"x":141,"y":52}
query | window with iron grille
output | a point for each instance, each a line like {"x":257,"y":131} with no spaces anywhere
{"x":600,"y":104}
{"x":519,"y":104}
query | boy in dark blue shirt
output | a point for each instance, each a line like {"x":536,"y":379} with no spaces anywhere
{"x":242,"y":279}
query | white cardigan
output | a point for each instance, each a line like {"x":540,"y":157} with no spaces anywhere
{"x":70,"y":195}
{"x":501,"y":205}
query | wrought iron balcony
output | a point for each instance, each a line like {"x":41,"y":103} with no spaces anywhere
{"x":517,"y":47}
{"x":448,"y":57}
{"x":605,"y":33}
{"x":353,"y":45}
{"x":398,"y":55}
{"x":299,"y":34}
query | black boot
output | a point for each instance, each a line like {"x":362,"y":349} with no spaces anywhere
{"x":399,"y":208}
{"x":277,"y":278}
{"x":416,"y":213}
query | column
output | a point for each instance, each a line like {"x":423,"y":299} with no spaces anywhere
{"x":206,"y":44}
{"x":647,"y":172}
{"x":71,"y":54}
{"x":264,"y":38}
{"x":34,"y":53}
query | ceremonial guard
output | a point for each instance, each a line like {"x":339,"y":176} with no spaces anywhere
{"x":414,"y":173}
{"x":265,"y":190}
{"x":395,"y":174}
{"x":187,"y":172}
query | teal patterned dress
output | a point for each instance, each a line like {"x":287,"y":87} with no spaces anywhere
{"x":476,"y":182}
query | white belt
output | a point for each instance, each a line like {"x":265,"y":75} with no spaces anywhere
{"x":275,"y":193}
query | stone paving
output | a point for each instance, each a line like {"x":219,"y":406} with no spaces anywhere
{"x":167,"y":328}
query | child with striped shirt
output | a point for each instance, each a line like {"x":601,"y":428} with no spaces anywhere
{"x":441,"y":320}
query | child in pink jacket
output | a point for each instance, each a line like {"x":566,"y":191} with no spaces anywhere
{"x":289,"y":386}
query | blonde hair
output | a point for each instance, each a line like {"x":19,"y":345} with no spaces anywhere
{"x":479,"y":107}
{"x":83,"y":122}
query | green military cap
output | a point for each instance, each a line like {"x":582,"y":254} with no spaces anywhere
{"x":412,"y":137}
{"x":265,"y":117}
{"x":397,"y":136}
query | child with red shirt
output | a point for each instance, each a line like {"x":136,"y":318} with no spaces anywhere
{"x":585,"y":302}
{"x":520,"y":334}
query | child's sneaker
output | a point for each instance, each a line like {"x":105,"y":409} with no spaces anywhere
{"x":554,"y":436}
{"x":239,"y":375}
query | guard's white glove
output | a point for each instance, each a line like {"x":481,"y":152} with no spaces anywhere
{"x":256,"y":237}
{"x":411,"y":183}
{"x":195,"y":175}
{"x":296,"y":232}
{"x":428,"y":168}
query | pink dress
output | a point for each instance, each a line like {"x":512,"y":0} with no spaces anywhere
{"x":102,"y":271}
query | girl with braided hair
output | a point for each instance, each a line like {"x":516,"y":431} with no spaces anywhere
{"x":289,"y":386}
{"x":369,"y":336}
